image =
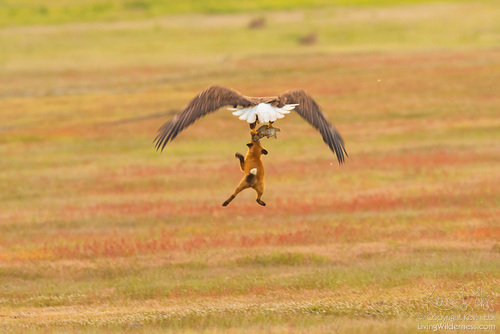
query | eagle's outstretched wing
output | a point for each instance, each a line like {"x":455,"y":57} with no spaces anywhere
{"x":309,"y":110}
{"x":210,"y":100}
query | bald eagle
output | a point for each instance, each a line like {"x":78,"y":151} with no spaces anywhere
{"x":253,"y":110}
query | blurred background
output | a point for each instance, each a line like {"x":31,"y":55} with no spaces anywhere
{"x":93,"y":218}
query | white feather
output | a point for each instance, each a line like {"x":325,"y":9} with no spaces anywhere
{"x":252,"y":117}
{"x":265,"y":112}
{"x":244,"y":116}
{"x":288,"y":107}
{"x":253,"y":171}
{"x":238,"y":112}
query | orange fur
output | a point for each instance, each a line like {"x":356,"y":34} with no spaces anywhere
{"x":251,"y":161}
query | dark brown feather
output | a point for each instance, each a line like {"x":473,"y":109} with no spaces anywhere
{"x":208,"y":101}
{"x":309,"y":110}
{"x":216,"y":97}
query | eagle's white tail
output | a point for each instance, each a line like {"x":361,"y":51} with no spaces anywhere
{"x":265,"y":112}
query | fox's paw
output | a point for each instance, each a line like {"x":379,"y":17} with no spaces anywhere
{"x":228,"y":200}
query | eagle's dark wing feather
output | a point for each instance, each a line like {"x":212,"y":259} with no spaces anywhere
{"x":206,"y":102}
{"x":309,"y":110}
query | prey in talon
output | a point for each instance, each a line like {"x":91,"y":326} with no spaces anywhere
{"x":265,"y":131}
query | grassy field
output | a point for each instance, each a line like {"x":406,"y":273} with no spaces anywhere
{"x":16,"y":12}
{"x":100,"y":233}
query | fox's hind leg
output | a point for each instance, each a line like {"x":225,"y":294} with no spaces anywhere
{"x":259,"y":188}
{"x":242,"y":186}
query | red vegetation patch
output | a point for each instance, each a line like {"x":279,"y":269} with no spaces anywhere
{"x":373,"y":202}
{"x":393,"y":161}
{"x":92,"y":245}
{"x":439,"y":158}
{"x":479,"y":233}
{"x":112,"y":245}
{"x":120,"y":209}
{"x":139,"y":209}
{"x":145,"y":171}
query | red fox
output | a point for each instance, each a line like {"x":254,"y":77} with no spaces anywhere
{"x":253,"y":168}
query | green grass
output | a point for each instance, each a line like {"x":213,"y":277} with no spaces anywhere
{"x":94,"y":48}
{"x":64,"y":11}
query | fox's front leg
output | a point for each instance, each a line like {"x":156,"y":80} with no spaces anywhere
{"x":242,"y":160}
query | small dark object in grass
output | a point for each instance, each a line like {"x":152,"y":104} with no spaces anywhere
{"x":257,"y":23}
{"x":309,"y":39}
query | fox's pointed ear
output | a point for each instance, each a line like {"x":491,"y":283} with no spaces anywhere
{"x":249,"y":144}
{"x":264,"y":151}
